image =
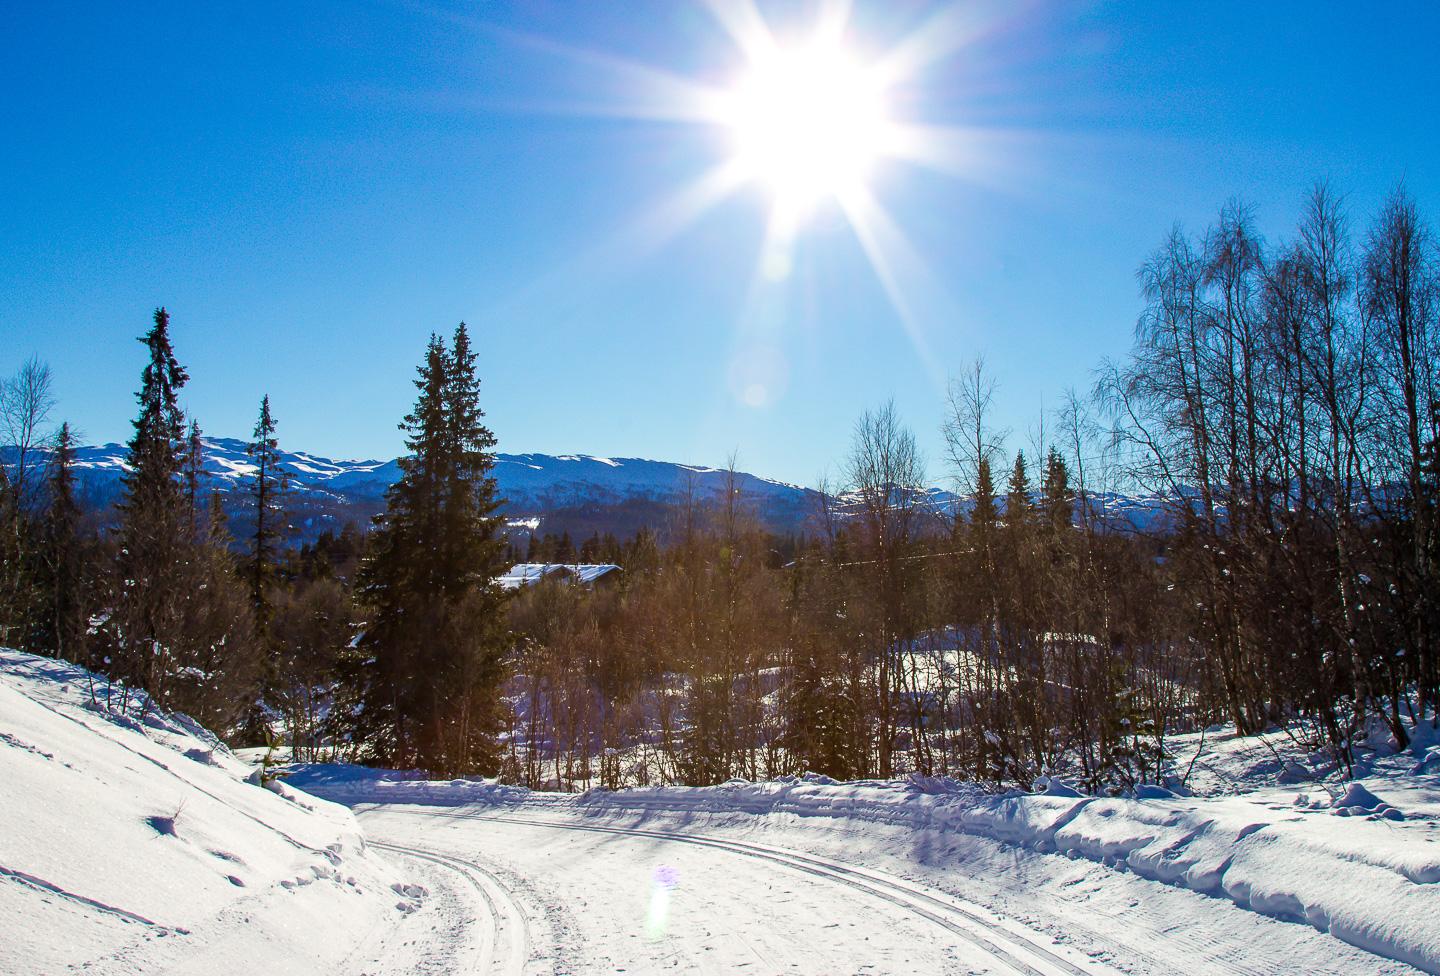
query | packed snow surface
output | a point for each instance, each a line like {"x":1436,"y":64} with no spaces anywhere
{"x":136,"y":843}
{"x":1269,"y":882}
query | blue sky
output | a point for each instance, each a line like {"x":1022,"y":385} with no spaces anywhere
{"x":312,"y":189}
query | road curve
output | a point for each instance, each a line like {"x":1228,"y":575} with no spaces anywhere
{"x":824,"y":917}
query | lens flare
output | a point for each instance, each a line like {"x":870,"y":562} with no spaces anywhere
{"x":657,"y":920}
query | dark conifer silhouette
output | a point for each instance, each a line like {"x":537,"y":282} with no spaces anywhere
{"x":267,"y":493}
{"x":438,"y":633}
{"x":155,"y":529}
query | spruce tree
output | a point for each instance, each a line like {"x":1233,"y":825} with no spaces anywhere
{"x":21,"y":588}
{"x":1017,"y":565}
{"x":222,"y":665}
{"x":1017,"y":494}
{"x":983,"y":516}
{"x":194,"y":465}
{"x":1057,"y":500}
{"x":474,"y":547}
{"x":564,"y":549}
{"x":267,"y":491}
{"x":154,"y":530}
{"x":438,"y":633}
{"x":66,"y":621}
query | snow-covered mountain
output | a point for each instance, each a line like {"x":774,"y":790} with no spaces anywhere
{"x":569,"y":492}
{"x":1109,"y":510}
{"x":574,"y":493}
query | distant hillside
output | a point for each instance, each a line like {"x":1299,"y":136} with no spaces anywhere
{"x":543,"y":493}
{"x":571,"y":493}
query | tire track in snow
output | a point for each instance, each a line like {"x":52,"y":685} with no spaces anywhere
{"x":499,"y":901}
{"x":1010,"y":949}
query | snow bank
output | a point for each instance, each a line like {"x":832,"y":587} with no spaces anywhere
{"x":1367,"y":880}
{"x":133,"y":843}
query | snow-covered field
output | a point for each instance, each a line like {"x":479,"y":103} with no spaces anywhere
{"x":138,"y":846}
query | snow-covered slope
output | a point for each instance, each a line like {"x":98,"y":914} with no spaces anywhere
{"x":132,"y":843}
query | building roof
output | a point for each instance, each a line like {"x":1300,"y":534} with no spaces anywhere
{"x":528,"y":574}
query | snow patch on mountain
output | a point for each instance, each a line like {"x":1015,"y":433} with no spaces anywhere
{"x":526,"y":480}
{"x":326,"y":492}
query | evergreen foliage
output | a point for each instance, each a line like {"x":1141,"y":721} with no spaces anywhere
{"x":267,"y":492}
{"x":175,"y":620}
{"x":155,"y":532}
{"x":65,"y":553}
{"x":437,"y":634}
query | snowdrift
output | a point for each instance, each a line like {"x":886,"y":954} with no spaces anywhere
{"x":1362,"y":876}
{"x":132,"y":842}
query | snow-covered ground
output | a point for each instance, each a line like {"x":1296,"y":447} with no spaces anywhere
{"x":137,"y":846}
{"x":1059,"y":882}
{"x":131,"y":842}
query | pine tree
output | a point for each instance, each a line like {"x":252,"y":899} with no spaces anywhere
{"x":438,"y":631}
{"x":267,"y":490}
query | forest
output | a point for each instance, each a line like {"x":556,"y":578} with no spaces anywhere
{"x":1281,"y":405}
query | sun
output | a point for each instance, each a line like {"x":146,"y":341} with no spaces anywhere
{"x":809,"y":122}
{"x":825,"y":116}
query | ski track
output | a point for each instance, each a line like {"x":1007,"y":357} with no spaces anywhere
{"x":1009,"y":948}
{"x":506,"y":948}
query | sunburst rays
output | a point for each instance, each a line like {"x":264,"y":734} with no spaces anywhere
{"x":798,"y":177}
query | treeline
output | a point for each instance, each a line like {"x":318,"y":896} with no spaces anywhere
{"x":1278,"y":415}
{"x":1277,"y":420}
{"x":384,"y":647}
{"x":1285,"y":397}
{"x":899,"y":638}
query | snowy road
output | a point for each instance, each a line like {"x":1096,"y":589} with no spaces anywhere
{"x":544,"y":895}
{"x":137,"y":848}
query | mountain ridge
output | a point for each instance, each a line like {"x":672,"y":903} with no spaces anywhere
{"x":327,"y":492}
{"x":543,"y":493}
